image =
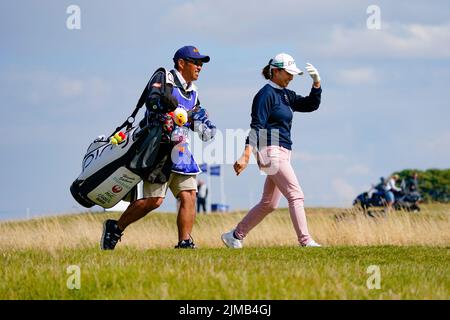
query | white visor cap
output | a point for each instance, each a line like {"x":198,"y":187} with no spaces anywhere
{"x":286,"y":62}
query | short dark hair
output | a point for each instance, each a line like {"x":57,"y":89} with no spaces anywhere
{"x":175,"y":65}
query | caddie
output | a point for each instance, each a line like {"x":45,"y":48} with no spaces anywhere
{"x":168,"y":90}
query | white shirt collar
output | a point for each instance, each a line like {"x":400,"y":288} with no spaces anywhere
{"x":274,"y":85}
{"x":186,"y":86}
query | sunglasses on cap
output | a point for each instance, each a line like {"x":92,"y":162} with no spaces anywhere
{"x":194,"y":61}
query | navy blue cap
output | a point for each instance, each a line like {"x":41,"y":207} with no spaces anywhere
{"x":189,"y":52}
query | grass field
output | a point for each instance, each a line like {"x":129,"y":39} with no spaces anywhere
{"x":410,"y":254}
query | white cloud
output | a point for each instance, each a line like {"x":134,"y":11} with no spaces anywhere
{"x":225,"y":21}
{"x":357,"y":76}
{"x":249,"y":22}
{"x":330,"y":29}
{"x":358,"y":169}
{"x":45,"y":88}
{"x":344,"y":191}
{"x":392,"y":40}
{"x":441,"y":143}
{"x":70,"y":88}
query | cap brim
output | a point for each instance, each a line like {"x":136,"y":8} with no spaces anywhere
{"x":204,"y":58}
{"x":294,"y":71}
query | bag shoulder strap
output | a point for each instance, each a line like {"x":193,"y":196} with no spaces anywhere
{"x":130,"y":120}
{"x":176,"y":80}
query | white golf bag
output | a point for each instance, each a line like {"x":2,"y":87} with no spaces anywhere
{"x":111,"y":171}
{"x":105,"y":178}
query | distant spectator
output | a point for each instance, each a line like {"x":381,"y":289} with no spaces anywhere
{"x":389,"y":189}
{"x":412,"y":184}
{"x":381,"y":185}
{"x":377,"y":189}
{"x":202,"y":194}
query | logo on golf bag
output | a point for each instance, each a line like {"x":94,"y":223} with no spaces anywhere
{"x":116,"y":189}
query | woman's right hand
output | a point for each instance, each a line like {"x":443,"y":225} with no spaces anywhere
{"x":240,"y":164}
{"x":314,"y":74}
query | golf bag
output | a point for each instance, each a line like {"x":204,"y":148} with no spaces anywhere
{"x":110,"y":172}
{"x":106,"y":177}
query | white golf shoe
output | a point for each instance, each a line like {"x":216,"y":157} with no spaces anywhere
{"x":311,"y":243}
{"x":230,"y":241}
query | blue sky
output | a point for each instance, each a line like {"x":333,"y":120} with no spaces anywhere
{"x":385,"y":92}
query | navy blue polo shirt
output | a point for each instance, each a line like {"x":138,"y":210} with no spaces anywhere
{"x":272,"y":110}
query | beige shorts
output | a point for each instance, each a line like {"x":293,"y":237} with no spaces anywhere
{"x":177,"y":182}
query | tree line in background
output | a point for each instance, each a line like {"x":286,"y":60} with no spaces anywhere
{"x":434,"y":184}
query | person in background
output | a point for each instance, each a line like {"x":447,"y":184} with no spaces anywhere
{"x":377,"y":189}
{"x":270,"y":140}
{"x":389,"y":190}
{"x":202,"y":194}
{"x":412,"y":184}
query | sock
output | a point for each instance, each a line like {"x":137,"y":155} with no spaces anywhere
{"x":117,"y":228}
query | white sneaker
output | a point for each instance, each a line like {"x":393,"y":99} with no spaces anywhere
{"x":311,"y":243}
{"x":230,"y":241}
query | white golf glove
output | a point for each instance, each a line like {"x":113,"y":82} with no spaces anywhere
{"x":313,"y":72}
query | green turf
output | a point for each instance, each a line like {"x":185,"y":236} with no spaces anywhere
{"x":218,"y":273}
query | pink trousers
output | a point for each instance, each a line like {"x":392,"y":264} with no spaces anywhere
{"x":281,"y":180}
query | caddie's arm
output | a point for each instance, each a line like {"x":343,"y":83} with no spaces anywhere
{"x":201,"y":124}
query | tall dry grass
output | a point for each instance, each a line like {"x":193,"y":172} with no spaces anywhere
{"x":430,"y":227}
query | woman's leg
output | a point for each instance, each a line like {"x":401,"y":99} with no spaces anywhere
{"x":390,"y":200}
{"x":269,"y":202}
{"x":286,"y":181}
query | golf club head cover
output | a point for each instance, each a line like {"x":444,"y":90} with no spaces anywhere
{"x":202,"y":125}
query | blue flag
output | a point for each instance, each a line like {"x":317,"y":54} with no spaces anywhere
{"x":214,"y":170}
{"x":204,"y":167}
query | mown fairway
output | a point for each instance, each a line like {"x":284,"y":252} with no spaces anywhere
{"x":253,"y":273}
{"x":411,"y":252}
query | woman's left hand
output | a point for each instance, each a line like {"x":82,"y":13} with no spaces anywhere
{"x":240,"y":164}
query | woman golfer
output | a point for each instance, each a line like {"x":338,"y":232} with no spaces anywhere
{"x":270,"y":141}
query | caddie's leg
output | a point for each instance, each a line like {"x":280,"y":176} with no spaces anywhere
{"x":137,"y":210}
{"x":154,"y":194}
{"x":184,"y":188}
{"x":186,"y":214}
